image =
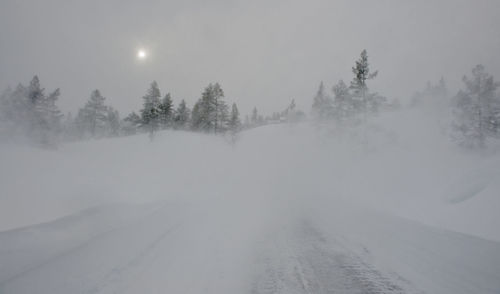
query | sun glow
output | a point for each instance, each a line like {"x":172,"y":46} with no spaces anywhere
{"x":141,"y":54}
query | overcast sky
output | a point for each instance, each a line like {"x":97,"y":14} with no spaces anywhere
{"x":264,"y":53}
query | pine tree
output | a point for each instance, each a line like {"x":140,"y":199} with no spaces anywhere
{"x":322,"y":106}
{"x":362,"y":73}
{"x":220,"y":108}
{"x":434,"y":96}
{"x":35,"y":99}
{"x":234,"y":121}
{"x":150,"y":110}
{"x":182,"y":114}
{"x":27,"y":112}
{"x":255,"y":116}
{"x":131,"y":123}
{"x":43,"y":114}
{"x":475,"y":108}
{"x":49,"y":118}
{"x":113,"y":122}
{"x":92,"y":118}
{"x":210,"y":112}
{"x":291,"y":112}
{"x":343,"y":104}
{"x":203,"y":110}
{"x":166,"y":112}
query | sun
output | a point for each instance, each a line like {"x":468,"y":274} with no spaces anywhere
{"x":141,"y":54}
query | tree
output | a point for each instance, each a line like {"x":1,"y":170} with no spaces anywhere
{"x":131,"y":123}
{"x":113,"y":122}
{"x":28,"y":113}
{"x":234,"y":120}
{"x":433,"y":96}
{"x":234,"y":124}
{"x":210,"y":111}
{"x":220,"y":116}
{"x":203,"y":111}
{"x":182,"y":114}
{"x":92,"y":118}
{"x":322,"y":106}
{"x":361,"y":72}
{"x":166,"y":111}
{"x":150,"y":110}
{"x":255,"y":116}
{"x":475,"y":109}
{"x":34,"y":105}
{"x":49,"y":117}
{"x":343,"y":105}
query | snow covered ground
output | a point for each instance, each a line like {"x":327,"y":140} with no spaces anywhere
{"x":393,"y":208}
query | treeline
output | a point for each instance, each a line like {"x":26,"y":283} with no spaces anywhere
{"x":474,"y":112}
{"x":350,"y":104}
{"x":29,"y":114}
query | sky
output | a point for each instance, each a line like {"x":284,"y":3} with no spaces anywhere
{"x":263,"y":53}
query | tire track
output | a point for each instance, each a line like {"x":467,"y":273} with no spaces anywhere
{"x":300,"y":260}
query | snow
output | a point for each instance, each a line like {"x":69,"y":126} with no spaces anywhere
{"x":290,"y":208}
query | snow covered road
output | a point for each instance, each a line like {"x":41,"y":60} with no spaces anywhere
{"x":178,"y":248}
{"x":299,"y":259}
{"x":283,"y":211}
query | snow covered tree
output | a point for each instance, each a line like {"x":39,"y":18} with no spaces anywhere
{"x":203,"y":112}
{"x":182,"y":114}
{"x":220,"y":108}
{"x":343,"y":104}
{"x":70,"y":129}
{"x":475,"y":109}
{"x":362,"y":73}
{"x":49,"y":118}
{"x":234,"y":120}
{"x":433,"y":96}
{"x":254,"y":119}
{"x":27,"y":112}
{"x":210,"y":112}
{"x":112,"y":122}
{"x":150,"y":111}
{"x":322,"y":104}
{"x":92,"y":118}
{"x":234,"y":123}
{"x":290,"y":111}
{"x":131,"y":124}
{"x":166,"y":112}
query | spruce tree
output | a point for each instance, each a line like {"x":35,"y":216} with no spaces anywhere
{"x":475,"y":108}
{"x":343,"y":105}
{"x":220,"y":108}
{"x":321,"y":107}
{"x":92,"y":117}
{"x":210,"y":113}
{"x":362,"y":73}
{"x":150,"y":110}
{"x":166,"y":112}
{"x":112,"y":122}
{"x":234,"y":121}
{"x":255,"y":116}
{"x":182,"y":115}
{"x":131,"y":123}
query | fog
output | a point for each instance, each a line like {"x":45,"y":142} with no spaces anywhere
{"x":264,"y":53}
{"x":249,"y":147}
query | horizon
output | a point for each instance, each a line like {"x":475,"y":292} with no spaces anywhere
{"x":263,"y":54}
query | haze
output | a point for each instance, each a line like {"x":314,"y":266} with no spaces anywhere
{"x":264,"y":53}
{"x":260,"y":147}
